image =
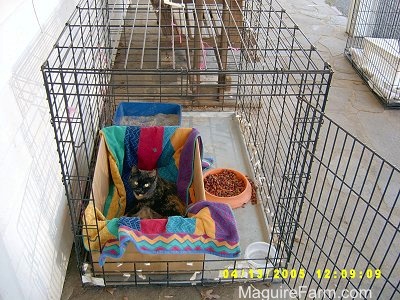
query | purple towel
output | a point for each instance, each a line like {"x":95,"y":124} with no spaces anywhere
{"x":186,"y":160}
{"x":221,"y":213}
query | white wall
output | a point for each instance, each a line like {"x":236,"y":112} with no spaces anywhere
{"x":35,"y":235}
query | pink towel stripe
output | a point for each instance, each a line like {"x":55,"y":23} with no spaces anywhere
{"x":149,"y":147}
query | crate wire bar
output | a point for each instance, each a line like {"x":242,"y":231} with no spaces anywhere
{"x":327,"y":198}
{"x":373,"y":47}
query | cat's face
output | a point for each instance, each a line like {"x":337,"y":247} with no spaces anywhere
{"x":143,"y":182}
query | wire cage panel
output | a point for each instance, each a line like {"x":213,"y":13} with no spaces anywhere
{"x":347,"y":234}
{"x":316,"y":183}
{"x":373,"y":47}
{"x":337,"y":218}
{"x":146,"y":61}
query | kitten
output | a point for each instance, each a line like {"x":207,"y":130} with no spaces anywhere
{"x":155,"y":197}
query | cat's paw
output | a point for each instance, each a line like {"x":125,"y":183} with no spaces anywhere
{"x":147,"y":213}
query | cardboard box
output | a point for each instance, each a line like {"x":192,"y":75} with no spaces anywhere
{"x":178,"y":263}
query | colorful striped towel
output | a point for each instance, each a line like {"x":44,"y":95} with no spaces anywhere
{"x":170,"y":149}
{"x":210,"y":229}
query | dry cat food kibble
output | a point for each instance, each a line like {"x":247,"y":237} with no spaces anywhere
{"x":224,"y":184}
{"x":253,"y":198}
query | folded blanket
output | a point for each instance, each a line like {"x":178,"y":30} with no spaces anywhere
{"x":210,"y":229}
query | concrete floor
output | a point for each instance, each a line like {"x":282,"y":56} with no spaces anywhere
{"x":341,"y":5}
{"x":351,"y":104}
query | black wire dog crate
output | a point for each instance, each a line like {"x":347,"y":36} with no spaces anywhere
{"x":326,"y":199}
{"x":373,"y":47}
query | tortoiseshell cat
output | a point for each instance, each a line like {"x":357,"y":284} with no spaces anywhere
{"x":155,"y":197}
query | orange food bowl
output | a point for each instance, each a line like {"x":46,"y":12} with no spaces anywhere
{"x":234,"y":201}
